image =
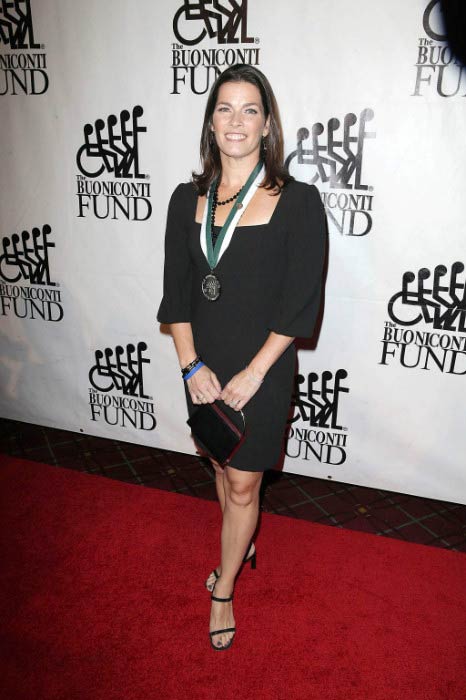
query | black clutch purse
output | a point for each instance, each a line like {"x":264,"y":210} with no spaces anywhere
{"x":216,"y":432}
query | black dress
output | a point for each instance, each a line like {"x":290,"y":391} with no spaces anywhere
{"x":271,"y":278}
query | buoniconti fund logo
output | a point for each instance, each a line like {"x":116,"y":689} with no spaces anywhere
{"x":314,"y":432}
{"x":438,"y":72}
{"x":111,"y":184}
{"x":116,"y":394}
{"x":331,"y":156}
{"x":26,"y":288}
{"x":427,"y":323}
{"x":22,"y":70}
{"x":201,"y":24}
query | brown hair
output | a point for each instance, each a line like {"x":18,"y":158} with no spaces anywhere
{"x":272,"y":157}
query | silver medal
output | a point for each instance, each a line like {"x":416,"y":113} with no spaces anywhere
{"x":211,"y":287}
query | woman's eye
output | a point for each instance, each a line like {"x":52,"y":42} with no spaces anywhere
{"x":249,"y":110}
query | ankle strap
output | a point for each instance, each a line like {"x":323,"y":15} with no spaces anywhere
{"x":222,"y":600}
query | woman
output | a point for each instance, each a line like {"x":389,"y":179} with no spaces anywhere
{"x":236,"y":298}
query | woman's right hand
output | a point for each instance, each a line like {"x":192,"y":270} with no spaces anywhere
{"x":204,"y":386}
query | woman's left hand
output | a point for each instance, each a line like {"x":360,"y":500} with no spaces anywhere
{"x":239,"y":390}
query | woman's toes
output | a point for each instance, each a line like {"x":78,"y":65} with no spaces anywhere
{"x":226,"y":638}
{"x":211,"y":581}
{"x":222,"y":639}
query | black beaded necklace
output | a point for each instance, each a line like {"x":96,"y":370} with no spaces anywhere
{"x":215,"y":204}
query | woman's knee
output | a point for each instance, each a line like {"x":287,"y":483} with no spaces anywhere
{"x":242,"y":489}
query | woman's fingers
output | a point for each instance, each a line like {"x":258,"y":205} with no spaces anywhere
{"x":201,"y":396}
{"x":231,"y":394}
{"x":237,"y":404}
{"x":206,"y":395}
{"x":238,"y":391}
{"x":235,"y":399}
{"x":209,"y":391}
{"x":202,"y":388}
{"x":215,"y":382}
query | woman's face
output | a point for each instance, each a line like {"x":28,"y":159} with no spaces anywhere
{"x":238,"y":120}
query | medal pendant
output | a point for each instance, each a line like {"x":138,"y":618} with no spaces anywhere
{"x":211,"y":287}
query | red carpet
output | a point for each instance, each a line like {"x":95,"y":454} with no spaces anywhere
{"x":102,"y":598}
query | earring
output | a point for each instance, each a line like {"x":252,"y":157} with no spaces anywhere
{"x":264,"y":145}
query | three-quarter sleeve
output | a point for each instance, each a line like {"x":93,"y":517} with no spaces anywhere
{"x":175,"y":306}
{"x":297,"y":305}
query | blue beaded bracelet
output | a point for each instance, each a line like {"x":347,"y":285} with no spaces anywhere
{"x":194,"y":369}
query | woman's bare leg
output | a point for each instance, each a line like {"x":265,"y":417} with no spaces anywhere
{"x":219,"y":484}
{"x":221,"y":499}
{"x":240,"y":517}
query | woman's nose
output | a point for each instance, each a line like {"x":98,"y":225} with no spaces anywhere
{"x":236,"y":118}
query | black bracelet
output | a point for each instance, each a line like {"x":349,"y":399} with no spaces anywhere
{"x":188,"y":368}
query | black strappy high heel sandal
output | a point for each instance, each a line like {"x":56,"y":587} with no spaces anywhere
{"x":251,"y":558}
{"x":227,"y":629}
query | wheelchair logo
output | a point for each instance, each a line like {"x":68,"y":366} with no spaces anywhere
{"x":26,"y":257}
{"x":226,"y":22}
{"x":442,"y":304}
{"x":120,"y":368}
{"x":334,"y":159}
{"x":16,"y":24}
{"x":112,"y":146}
{"x":318,"y":404}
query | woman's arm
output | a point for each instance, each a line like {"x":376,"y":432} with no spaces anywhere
{"x":182,"y":335}
{"x":203,"y":382}
{"x":242,"y":387}
{"x":274,"y":346}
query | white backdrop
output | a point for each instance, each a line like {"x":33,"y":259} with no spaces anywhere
{"x":373,"y":111}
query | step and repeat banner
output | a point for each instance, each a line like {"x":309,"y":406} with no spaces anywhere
{"x":101,"y":107}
